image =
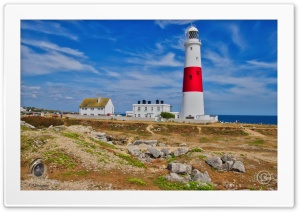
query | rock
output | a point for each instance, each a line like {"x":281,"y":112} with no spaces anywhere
{"x":180,"y":168}
{"x":180,"y":151}
{"x":109,"y":142}
{"x":183,"y":144}
{"x":99,"y":136}
{"x":201,"y":177}
{"x":238,"y":166}
{"x":134,"y":150}
{"x":165,"y":152}
{"x":215,"y":162}
{"x":162,"y":144}
{"x":225,"y":158}
{"x":147,"y":142}
{"x":227,"y":165}
{"x":173,"y":177}
{"x":50,"y":126}
{"x":23,"y":123}
{"x":154,"y":152}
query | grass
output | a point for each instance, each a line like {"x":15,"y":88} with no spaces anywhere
{"x":137,"y":181}
{"x":71,"y":135}
{"x":58,"y":157}
{"x":164,"y":184}
{"x":102,"y":143}
{"x":204,"y":139}
{"x":74,"y":173}
{"x":132,"y":161}
{"x":223,"y":131}
{"x":173,"y":157}
{"x":202,"y":156}
{"x":28,"y":143}
{"x":257,"y":142}
{"x":196,"y":150}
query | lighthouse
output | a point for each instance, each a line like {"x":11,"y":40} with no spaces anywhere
{"x":192,"y":106}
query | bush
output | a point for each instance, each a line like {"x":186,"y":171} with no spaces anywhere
{"x":42,"y":122}
{"x":167,"y":115}
{"x":164,"y":184}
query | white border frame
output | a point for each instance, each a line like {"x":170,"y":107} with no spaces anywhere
{"x":283,"y":197}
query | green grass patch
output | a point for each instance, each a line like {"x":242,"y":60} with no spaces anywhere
{"x":132,"y":161}
{"x":71,"y":135}
{"x":202,"y":156}
{"x":196,"y":150}
{"x":173,"y":157}
{"x":257,"y":142}
{"x":58,"y":157}
{"x":136,"y":181}
{"x":164,"y":184}
{"x":204,"y":139}
{"x":102,"y":143}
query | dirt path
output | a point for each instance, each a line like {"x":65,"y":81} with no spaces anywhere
{"x":253,"y":133}
{"x":149,"y":129}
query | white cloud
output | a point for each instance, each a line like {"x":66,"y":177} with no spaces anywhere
{"x":69,"y":97}
{"x":258,"y":64}
{"x":48,"y":27}
{"x":164,"y":23}
{"x":154,"y":60}
{"x":51,"y":46}
{"x":236,"y":36}
{"x":33,"y":63}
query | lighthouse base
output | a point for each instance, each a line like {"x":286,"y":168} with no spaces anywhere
{"x":207,"y":118}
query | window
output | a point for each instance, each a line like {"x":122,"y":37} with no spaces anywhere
{"x":99,"y":114}
{"x":92,"y":114}
{"x":178,"y":116}
{"x":152,"y":108}
{"x":92,"y":108}
{"x":139,"y":108}
{"x":158,"y":108}
{"x":196,"y":58}
{"x":146,"y":115}
{"x":85,"y":114}
{"x":99,"y":108}
{"x":191,"y":48}
{"x":139,"y":115}
{"x":145,"y":108}
{"x":191,"y":77}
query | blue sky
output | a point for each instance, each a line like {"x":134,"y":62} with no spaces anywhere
{"x":63,"y":62}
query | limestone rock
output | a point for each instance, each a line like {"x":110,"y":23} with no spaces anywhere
{"x":173,"y":177}
{"x":180,"y":168}
{"x":154,"y":152}
{"x":238,"y":166}
{"x":201,"y":177}
{"x":225,"y":158}
{"x":227,"y":165}
{"x":165,"y":152}
{"x":147,"y":142}
{"x":215,"y":162}
{"x":180,"y":151}
{"x":134,"y":150}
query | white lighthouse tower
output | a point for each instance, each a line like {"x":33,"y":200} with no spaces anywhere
{"x":192,"y":106}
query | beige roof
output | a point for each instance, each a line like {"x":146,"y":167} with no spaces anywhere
{"x":93,"y":102}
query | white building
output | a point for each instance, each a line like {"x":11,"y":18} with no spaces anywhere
{"x":149,"y":110}
{"x":96,"y":106}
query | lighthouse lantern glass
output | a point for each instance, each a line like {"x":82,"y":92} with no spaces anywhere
{"x":193,"y":34}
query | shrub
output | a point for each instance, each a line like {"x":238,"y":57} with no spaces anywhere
{"x":42,"y":122}
{"x":197,"y":150}
{"x":167,"y":115}
{"x":136,"y":181}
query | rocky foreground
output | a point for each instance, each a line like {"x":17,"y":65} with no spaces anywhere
{"x":115,"y":155}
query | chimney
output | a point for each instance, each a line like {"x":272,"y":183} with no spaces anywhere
{"x":161,"y":102}
{"x":157,"y":101}
{"x":149,"y":102}
{"x":139,"y":102}
{"x":144,"y":101}
{"x":99,"y":99}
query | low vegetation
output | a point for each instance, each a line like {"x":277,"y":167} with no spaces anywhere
{"x":167,"y":115}
{"x":164,"y":184}
{"x":136,"y":181}
{"x":131,"y":161}
{"x":42,"y":122}
{"x":59,"y":158}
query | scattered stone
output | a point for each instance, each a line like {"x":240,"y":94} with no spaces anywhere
{"x":147,"y":142}
{"x":225,"y":158}
{"x":173,"y":177}
{"x":165,"y":152}
{"x":134,"y":150}
{"x":238,"y":166}
{"x":227,"y":165}
{"x":99,"y":136}
{"x":109,"y":142}
{"x":162,"y":144}
{"x":154,"y":152}
{"x":201,"y":177}
{"x":50,"y":126}
{"x":215,"y":162}
{"x":183,"y":144}
{"x":180,"y":151}
{"x":180,"y":168}
{"x":23,"y":123}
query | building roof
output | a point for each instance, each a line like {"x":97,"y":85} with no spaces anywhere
{"x":93,"y":102}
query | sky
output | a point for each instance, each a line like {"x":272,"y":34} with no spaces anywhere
{"x":65,"y":61}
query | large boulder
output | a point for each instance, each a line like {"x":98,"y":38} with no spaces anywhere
{"x":225,"y":158}
{"x":147,"y":142}
{"x":201,"y":177}
{"x":215,"y":162}
{"x":238,"y":166}
{"x":154,"y":152}
{"x":227,"y":166}
{"x":180,"y":168}
{"x":165,"y":152}
{"x":134,"y":150}
{"x":99,"y":136}
{"x":180,"y":151}
{"x":173,"y":177}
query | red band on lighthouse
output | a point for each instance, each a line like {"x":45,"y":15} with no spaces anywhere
{"x":192,"y":79}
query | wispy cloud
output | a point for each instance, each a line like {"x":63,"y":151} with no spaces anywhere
{"x":260,"y":64}
{"x":48,"y":27}
{"x":37,"y":64}
{"x":236,"y":36}
{"x":51,"y":46}
{"x":164,"y":23}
